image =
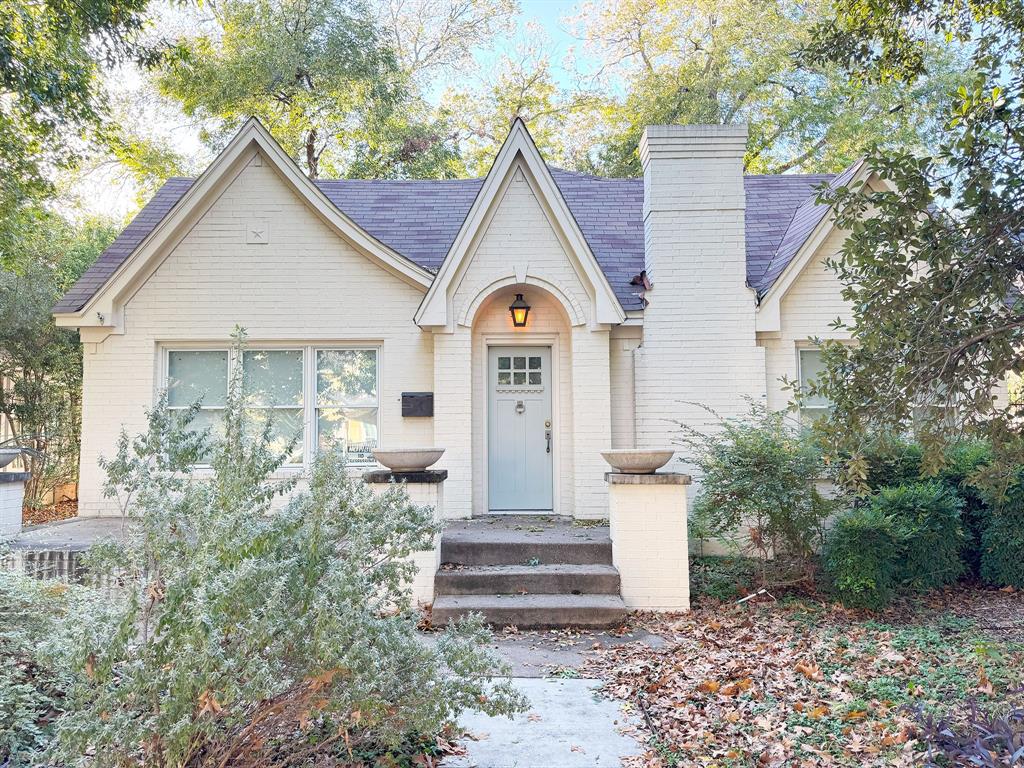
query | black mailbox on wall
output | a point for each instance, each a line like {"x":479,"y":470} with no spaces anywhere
{"x":417,"y":403}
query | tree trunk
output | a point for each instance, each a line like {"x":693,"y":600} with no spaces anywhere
{"x":312,"y":159}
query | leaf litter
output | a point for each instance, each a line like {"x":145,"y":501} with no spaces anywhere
{"x":809,"y":684}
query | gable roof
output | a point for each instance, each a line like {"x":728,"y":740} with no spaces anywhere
{"x":420,"y":220}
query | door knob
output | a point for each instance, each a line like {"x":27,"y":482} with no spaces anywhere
{"x":520,"y":407}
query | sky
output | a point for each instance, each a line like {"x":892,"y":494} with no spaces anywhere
{"x":108,"y":192}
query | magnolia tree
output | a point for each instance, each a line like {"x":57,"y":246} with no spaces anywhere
{"x":247,"y":635}
{"x":932,"y":264}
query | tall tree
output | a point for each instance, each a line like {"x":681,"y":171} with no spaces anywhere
{"x":933,"y":264}
{"x":319,"y":73}
{"x":519,"y":84}
{"x":41,"y":255}
{"x":708,"y":61}
{"x":50,"y":52}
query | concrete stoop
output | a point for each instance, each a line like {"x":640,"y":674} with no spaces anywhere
{"x":528,"y":571}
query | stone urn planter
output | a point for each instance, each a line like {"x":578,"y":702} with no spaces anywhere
{"x":407,"y":459}
{"x":638,"y":461}
{"x":7,"y":455}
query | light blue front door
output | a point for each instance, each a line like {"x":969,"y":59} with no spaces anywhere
{"x":519,"y":433}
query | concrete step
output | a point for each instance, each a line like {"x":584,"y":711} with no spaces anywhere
{"x":524,"y":541}
{"x":533,"y":611}
{"x":557,"y":579}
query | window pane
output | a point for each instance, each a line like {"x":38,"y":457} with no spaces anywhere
{"x":535,"y":377}
{"x":504,"y":363}
{"x":346,"y":377}
{"x":504,"y":378}
{"x":354,"y":428}
{"x":519,"y":363}
{"x":811,"y":367}
{"x":534,"y":363}
{"x":197,"y":375}
{"x":285,"y":424}
{"x":519,"y":377}
{"x":273,"y":377}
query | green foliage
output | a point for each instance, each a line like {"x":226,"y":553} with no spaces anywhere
{"x":861,"y":558}
{"x":758,"y":491}
{"x":1002,"y":540}
{"x":931,"y":268}
{"x":891,"y":462}
{"x":926,"y":519}
{"x":722,"y":578}
{"x":245,"y":632}
{"x":707,"y":61}
{"x":321,"y":75}
{"x":960,"y":472}
{"x":41,"y":257}
{"x":49,"y":61}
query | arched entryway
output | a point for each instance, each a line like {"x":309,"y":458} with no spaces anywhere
{"x":522,"y":405}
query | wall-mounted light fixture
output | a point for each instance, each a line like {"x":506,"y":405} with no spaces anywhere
{"x":519,"y":310}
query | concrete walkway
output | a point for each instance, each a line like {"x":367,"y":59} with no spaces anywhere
{"x":567,"y":726}
{"x":76,"y":534}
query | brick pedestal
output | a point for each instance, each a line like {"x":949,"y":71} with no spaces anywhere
{"x":425,"y":489}
{"x":647,"y":514}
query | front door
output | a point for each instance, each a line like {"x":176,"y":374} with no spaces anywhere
{"x":519,"y":433}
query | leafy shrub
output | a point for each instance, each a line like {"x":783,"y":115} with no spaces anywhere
{"x":34,"y":612}
{"x":758,"y":492}
{"x":249,"y":636}
{"x":891,"y":462}
{"x":926,"y":517}
{"x":722,"y":578}
{"x":1002,"y":549}
{"x":963,"y":460}
{"x":861,"y":558}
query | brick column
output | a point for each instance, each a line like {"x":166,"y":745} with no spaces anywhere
{"x":591,"y":420}
{"x":649,"y":547}
{"x":425,"y":489}
{"x":12,"y":495}
{"x":453,"y":417}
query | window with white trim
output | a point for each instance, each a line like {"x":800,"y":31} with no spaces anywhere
{"x":321,"y":396}
{"x":811,"y":366}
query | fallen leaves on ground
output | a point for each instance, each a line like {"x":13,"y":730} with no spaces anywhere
{"x":805,"y":684}
{"x":51,"y":513}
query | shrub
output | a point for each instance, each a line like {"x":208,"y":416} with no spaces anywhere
{"x":892,"y":462}
{"x":757,"y":491}
{"x":963,"y":461}
{"x":926,"y":517}
{"x":861,"y":558}
{"x":249,"y":636}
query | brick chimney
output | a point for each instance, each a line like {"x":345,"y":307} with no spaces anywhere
{"x":699,"y":342}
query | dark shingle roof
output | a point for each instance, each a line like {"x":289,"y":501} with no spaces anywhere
{"x":420,"y":219}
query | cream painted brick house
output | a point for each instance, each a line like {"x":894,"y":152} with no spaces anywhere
{"x":358,"y":294}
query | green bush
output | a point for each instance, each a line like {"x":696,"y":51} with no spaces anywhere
{"x":891,"y":463}
{"x":1002,"y":541}
{"x":963,"y":460}
{"x":861,"y":558}
{"x":926,"y":518}
{"x":758,"y":493}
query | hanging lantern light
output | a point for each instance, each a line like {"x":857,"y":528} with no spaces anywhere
{"x":519,"y":310}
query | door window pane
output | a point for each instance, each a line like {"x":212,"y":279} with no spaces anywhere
{"x":504,"y":363}
{"x":197,"y":375}
{"x":534,"y":363}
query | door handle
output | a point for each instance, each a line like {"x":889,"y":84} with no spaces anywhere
{"x":547,"y":436}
